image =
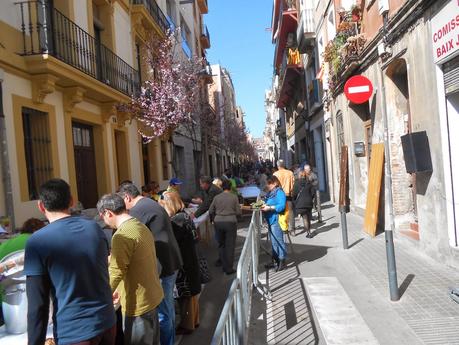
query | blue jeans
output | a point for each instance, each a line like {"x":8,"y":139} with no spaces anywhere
{"x":141,"y":330}
{"x":277,"y":242}
{"x":166,"y":311}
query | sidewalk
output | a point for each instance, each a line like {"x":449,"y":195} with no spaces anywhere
{"x":424,"y":315}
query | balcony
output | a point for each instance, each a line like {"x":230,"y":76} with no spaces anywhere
{"x":156,"y":17}
{"x":288,"y":23}
{"x":290,"y":70}
{"x":206,"y":73}
{"x":205,"y":38}
{"x":343,"y":52}
{"x":203,"y":7}
{"x":47,"y":32}
{"x":305,"y":34}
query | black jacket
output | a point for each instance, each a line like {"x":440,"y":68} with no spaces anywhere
{"x":183,"y":230}
{"x":150,"y":213}
{"x":303,"y":194}
{"x":209,"y":196}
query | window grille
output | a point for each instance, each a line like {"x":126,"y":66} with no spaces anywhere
{"x":37,"y":147}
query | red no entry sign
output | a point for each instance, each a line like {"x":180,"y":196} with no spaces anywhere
{"x":358,"y":89}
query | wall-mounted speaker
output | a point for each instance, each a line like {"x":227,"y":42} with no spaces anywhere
{"x":416,"y":151}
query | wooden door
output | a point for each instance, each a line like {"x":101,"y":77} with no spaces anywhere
{"x":85,"y":164}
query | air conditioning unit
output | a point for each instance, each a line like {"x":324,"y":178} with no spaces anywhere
{"x":383,"y":6}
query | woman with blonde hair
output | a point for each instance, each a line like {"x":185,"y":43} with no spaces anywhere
{"x":172,"y":203}
{"x":189,"y":275}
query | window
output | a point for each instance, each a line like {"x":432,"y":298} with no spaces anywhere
{"x":37,"y":147}
{"x":179,"y":160}
{"x":170,"y":9}
{"x":331,"y":27}
{"x":82,"y":136}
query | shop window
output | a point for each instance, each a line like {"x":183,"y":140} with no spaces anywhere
{"x":37,"y":147}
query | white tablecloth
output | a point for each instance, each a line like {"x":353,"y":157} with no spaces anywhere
{"x":249,"y":192}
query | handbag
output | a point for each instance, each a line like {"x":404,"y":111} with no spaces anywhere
{"x":284,"y":219}
{"x":182,"y":285}
{"x":204,"y":270}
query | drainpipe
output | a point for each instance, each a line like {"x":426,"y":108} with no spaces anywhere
{"x":4,"y":161}
{"x":389,"y":230}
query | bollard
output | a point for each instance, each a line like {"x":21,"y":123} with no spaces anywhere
{"x":344,"y":229}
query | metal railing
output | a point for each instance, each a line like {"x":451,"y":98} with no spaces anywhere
{"x":307,"y":20}
{"x":205,"y":32}
{"x":45,"y":30}
{"x":155,"y":12}
{"x":232,"y":327}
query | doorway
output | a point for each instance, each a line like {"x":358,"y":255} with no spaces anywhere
{"x":85,"y":164}
{"x":319,"y":158}
{"x":122,"y":161}
{"x":404,"y":189}
{"x":452,"y":102}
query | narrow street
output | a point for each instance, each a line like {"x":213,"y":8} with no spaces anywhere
{"x":156,"y":132}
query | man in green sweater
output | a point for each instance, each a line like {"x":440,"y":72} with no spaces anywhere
{"x":133,"y":264}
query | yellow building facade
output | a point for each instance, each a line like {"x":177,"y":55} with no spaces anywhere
{"x":64,"y":67}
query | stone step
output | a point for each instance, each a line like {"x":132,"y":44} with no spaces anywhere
{"x":339,"y":319}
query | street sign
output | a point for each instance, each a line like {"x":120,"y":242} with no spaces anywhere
{"x":358,"y":89}
{"x":445,"y":30}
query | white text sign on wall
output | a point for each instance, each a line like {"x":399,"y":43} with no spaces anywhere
{"x":445,"y":32}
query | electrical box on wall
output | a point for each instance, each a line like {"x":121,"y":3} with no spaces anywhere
{"x":359,"y":149}
{"x":383,"y":6}
{"x":416,"y":152}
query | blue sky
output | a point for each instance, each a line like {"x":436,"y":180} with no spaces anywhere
{"x":239,"y":41}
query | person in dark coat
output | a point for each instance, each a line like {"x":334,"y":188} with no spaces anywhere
{"x":303,"y":199}
{"x":186,"y":236}
{"x":210,"y":191}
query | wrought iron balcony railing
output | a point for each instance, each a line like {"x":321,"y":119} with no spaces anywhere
{"x":205,"y":37}
{"x":45,"y":30}
{"x":306,"y":30}
{"x":156,"y":13}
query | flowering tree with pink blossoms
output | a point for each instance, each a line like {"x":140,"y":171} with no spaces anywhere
{"x":169,"y":95}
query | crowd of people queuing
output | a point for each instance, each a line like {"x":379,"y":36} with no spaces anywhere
{"x":122,"y":288}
